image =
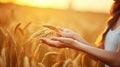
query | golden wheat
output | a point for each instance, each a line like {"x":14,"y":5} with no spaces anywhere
{"x":33,"y":63}
{"x":68,"y":63}
{"x":36,"y":50}
{"x":77,"y":61}
{"x":2,"y":63}
{"x":36,"y":34}
{"x":41,"y":65}
{"x":27,"y":25}
{"x":53,"y":28}
{"x":3,"y":55}
{"x":21,"y":31}
{"x":30,"y":52}
{"x":58,"y":64}
{"x":17,"y":26}
{"x":2,"y":38}
{"x":48,"y":54}
{"x":26,"y":62}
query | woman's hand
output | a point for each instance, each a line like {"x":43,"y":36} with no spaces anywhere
{"x":60,"y":42}
{"x":70,"y":34}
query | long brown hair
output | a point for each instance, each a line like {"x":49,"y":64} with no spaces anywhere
{"x":114,"y":16}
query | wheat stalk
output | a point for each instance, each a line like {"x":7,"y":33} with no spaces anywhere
{"x":20,"y":57}
{"x":12,"y":49}
{"x":17,"y":26}
{"x":2,"y":32}
{"x":26,"y":62}
{"x":21,"y":31}
{"x":3,"y":55}
{"x":58,"y":64}
{"x":36,"y":50}
{"x":2,"y":63}
{"x":40,"y":54}
{"x":67,"y":53}
{"x":12,"y":40}
{"x":40,"y":65}
{"x":82,"y":59}
{"x":33,"y":63}
{"x":48,"y":54}
{"x":27,"y":25}
{"x":97,"y":63}
{"x":77,"y":61}
{"x":3,"y":36}
{"x":68,"y":63}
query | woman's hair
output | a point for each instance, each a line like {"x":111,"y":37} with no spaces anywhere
{"x":114,"y":16}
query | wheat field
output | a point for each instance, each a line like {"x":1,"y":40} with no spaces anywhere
{"x":21,"y":27}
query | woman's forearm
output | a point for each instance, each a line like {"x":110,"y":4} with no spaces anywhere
{"x":107,"y":57}
{"x":82,"y":40}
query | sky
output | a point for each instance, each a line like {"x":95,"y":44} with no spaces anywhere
{"x":79,"y":5}
{"x":92,"y":5}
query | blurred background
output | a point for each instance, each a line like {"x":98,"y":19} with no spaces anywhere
{"x":86,"y":17}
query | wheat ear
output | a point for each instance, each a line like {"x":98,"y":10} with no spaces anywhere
{"x":27,"y":25}
{"x":53,"y":28}
{"x":17,"y":26}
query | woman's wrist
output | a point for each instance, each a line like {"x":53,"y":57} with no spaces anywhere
{"x":80,"y":46}
{"x":77,"y":45}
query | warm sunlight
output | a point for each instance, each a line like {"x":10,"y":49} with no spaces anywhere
{"x":93,"y":5}
{"x":60,"y":4}
{"x":81,"y":5}
{"x":25,"y":25}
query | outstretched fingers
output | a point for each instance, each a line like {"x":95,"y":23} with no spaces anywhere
{"x":67,"y":42}
{"x":63,"y":40}
{"x":50,"y":42}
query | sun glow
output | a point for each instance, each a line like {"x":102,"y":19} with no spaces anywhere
{"x":95,"y":5}
{"x":80,"y":5}
{"x":61,"y":4}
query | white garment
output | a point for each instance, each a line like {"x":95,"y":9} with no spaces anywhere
{"x":111,"y":40}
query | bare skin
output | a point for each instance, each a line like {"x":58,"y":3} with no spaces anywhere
{"x":74,"y":41}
